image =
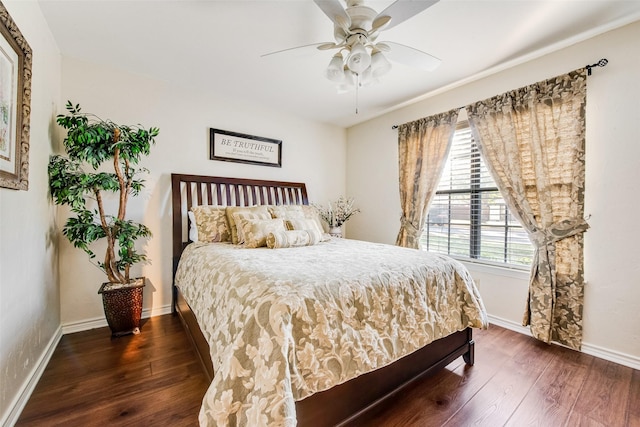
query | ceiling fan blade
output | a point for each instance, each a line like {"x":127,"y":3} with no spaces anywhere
{"x":306,"y":46}
{"x":334,"y":10}
{"x":383,"y":46}
{"x":329,"y":46}
{"x":379,"y":23}
{"x":412,"y":57}
{"x":401,"y":10}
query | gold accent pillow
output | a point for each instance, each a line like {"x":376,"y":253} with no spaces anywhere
{"x":255,"y":231}
{"x":246,"y":212}
{"x":292,"y":238}
{"x":211,"y":224}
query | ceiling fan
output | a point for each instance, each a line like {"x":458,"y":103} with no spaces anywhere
{"x":361,"y":59}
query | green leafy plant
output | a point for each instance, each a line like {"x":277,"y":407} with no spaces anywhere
{"x":91,"y":141}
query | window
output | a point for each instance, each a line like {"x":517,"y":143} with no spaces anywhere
{"x":468,"y":218}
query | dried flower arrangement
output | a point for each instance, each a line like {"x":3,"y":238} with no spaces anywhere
{"x":337,"y":213}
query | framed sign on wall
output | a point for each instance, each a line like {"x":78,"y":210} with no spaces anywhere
{"x":15,"y":104}
{"x":238,"y":147}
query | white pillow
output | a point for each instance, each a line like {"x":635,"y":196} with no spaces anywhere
{"x":193,"y":228}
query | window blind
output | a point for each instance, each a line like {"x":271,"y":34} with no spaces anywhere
{"x":468,"y":218}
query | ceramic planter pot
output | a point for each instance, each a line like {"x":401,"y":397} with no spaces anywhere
{"x":123,"y":306}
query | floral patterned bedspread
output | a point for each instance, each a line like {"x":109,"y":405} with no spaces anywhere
{"x":283,"y":324}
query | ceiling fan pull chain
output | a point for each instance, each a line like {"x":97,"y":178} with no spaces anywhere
{"x":357,"y":90}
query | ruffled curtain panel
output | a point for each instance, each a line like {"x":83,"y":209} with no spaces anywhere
{"x":423,"y":146}
{"x":533,"y":142}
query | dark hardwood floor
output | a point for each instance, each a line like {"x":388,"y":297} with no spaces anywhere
{"x":150,"y":379}
{"x":154,"y":379}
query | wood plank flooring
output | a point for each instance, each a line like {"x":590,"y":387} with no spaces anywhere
{"x":150,"y":379}
{"x":154,"y":379}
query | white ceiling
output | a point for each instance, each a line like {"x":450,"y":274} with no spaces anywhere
{"x":216,"y":46}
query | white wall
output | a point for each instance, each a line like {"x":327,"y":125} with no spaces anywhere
{"x":29,"y":297}
{"x":612,"y":252}
{"x":312,"y":153}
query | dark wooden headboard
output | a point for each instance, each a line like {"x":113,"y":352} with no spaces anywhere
{"x":191,"y":190}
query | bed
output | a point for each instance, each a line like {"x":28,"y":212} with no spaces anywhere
{"x":325,"y":400}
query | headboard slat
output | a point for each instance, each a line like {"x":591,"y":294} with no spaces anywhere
{"x":199,"y":193}
{"x":218,"y":193}
{"x":209,"y":195}
{"x":254,"y":199}
{"x":227,"y":192}
{"x":236,"y":196}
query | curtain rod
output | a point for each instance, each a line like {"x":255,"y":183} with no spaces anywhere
{"x":397,"y":126}
{"x":601,"y":63}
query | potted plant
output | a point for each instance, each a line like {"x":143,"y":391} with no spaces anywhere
{"x":78,"y":181}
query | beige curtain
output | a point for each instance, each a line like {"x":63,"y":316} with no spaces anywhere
{"x":423,"y":146}
{"x":533,"y":142}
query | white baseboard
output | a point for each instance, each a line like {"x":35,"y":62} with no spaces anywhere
{"x":611,"y":356}
{"x":509,"y":324}
{"x":590,"y":349}
{"x":24,"y":393}
{"x":99,"y":322}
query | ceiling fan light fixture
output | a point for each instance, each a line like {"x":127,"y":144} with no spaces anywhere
{"x":379,"y":64}
{"x":350,"y":78}
{"x":367,"y":78}
{"x":359,"y":59}
{"x":335,"y":70}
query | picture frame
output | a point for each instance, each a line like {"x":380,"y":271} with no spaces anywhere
{"x":15,"y":104}
{"x":237,"y":147}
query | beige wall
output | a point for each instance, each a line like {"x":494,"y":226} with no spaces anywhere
{"x":612,"y":253}
{"x":312,"y":153}
{"x":29,"y":297}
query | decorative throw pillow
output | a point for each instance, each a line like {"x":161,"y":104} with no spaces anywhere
{"x":211,"y":224}
{"x":255,"y":231}
{"x":312,"y":213}
{"x":247,"y":212}
{"x":286,"y":211}
{"x":292,"y":238}
{"x":303,"y":224}
{"x":308,"y":224}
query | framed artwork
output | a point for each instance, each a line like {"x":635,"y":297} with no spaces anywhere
{"x":238,"y":147}
{"x":15,"y":104}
